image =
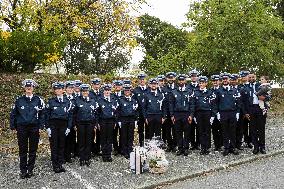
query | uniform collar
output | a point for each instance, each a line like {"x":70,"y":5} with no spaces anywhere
{"x":182,"y":88}
{"x":59,"y":97}
{"x":29,"y":97}
{"x":227,"y":87}
{"x":144,"y":87}
{"x":203,"y":90}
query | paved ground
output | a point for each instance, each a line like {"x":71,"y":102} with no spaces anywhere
{"x":117,"y":174}
{"x":266,"y":174}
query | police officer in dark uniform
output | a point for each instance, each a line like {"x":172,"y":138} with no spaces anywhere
{"x":127,"y":120}
{"x":58,"y":123}
{"x":205,"y":111}
{"x":71,"y":139}
{"x":168,"y":124}
{"x":154,"y":110}
{"x":107,"y":119}
{"x":118,"y":93}
{"x":216,"y":126}
{"x":139,"y":93}
{"x":256,"y":116}
{"x":77,"y":90}
{"x":181,"y":110}
{"x":244,"y":88}
{"x":85,"y":118}
{"x":161,"y":87}
{"x":26,"y":119}
{"x":194,"y":135}
{"x":95,"y":93}
{"x":229,"y":105}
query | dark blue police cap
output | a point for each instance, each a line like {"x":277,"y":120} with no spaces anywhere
{"x":153,"y":81}
{"x":193,"y":72}
{"x":96,"y":81}
{"x":85,"y":87}
{"x":29,"y":83}
{"x":69,"y":84}
{"x":142,"y":76}
{"x":181,"y":77}
{"x":244,"y":73}
{"x":203,"y":79}
{"x":58,"y":85}
{"x":77,"y":83}
{"x":215,"y":77}
{"x":107,"y":86}
{"x":171,"y":74}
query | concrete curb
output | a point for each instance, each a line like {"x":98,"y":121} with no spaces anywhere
{"x":215,"y":169}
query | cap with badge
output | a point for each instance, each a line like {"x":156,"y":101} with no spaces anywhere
{"x":126,"y":82}
{"x":203,"y":79}
{"x":244,"y":73}
{"x":181,"y":77}
{"x":85,"y":87}
{"x":142,"y":76}
{"x":107,"y":87}
{"x":96,"y":81}
{"x":161,"y":77}
{"x":58,"y":85}
{"x":171,"y":74}
{"x":225,"y":75}
{"x":193,"y":73}
{"x":77,"y":83}
{"x":215,"y":77}
{"x":234,"y":76}
{"x":153,"y":81}
{"x":127,"y":87}
{"x":117,"y":82}
{"x":69,"y":84}
{"x":29,"y":83}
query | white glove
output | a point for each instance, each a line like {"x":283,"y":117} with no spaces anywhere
{"x":119,"y":124}
{"x":218,"y":116}
{"x":194,"y":119}
{"x":136,"y":124}
{"x":48,"y":130}
{"x":67,"y":131}
{"x":238,"y":116}
{"x":211,"y":120}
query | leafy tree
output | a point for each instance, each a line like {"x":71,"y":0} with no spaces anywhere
{"x":163,"y":44}
{"x":236,"y":34}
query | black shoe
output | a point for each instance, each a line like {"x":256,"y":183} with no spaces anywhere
{"x":82,"y":163}
{"x":255,"y":151}
{"x":62,"y":170}
{"x":179,"y":152}
{"x":109,"y":159}
{"x":249,"y":145}
{"x":235,"y":152}
{"x":68,"y":160}
{"x":88,"y":163}
{"x":186,"y":152}
{"x":30,"y":174}
{"x":126,"y":156}
{"x":115,"y":152}
{"x":56,"y":170}
{"x":168,"y":149}
{"x":217,"y":149}
{"x":240,"y":147}
{"x":23,"y":175}
{"x":193,"y":148}
{"x":262,"y":151}
{"x":225,"y":152}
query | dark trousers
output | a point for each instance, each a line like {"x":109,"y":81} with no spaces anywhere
{"x":154,"y":125}
{"x":117,"y":138}
{"x":170,"y":132}
{"x":106,"y":132}
{"x":96,"y":141}
{"x":257,"y":125}
{"x":204,"y":128}
{"x":28,"y":138}
{"x":57,"y":141}
{"x":240,"y":130}
{"x":70,"y":144}
{"x":217,"y":133}
{"x":85,"y":134}
{"x":246,"y":131}
{"x":141,"y":126}
{"x":194,"y":135}
{"x":182,"y":129}
{"x":127,"y":136}
{"x":229,"y":123}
